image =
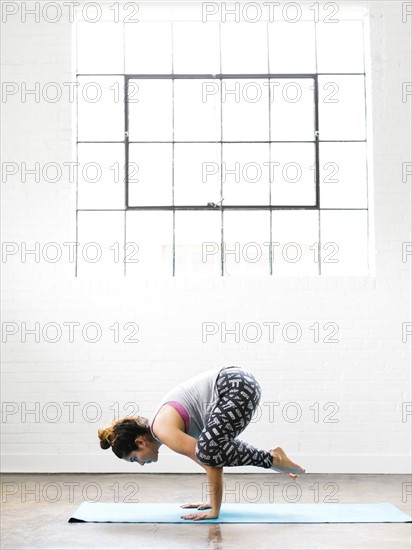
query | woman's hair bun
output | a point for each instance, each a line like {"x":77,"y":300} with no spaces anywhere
{"x":106,"y":437}
{"x":121,"y":435}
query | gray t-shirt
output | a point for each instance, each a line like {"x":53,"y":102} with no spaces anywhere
{"x":198,"y":395}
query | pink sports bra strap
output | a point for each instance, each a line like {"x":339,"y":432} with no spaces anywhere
{"x":182,"y":411}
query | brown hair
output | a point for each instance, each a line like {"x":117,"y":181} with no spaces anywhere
{"x":121,"y":435}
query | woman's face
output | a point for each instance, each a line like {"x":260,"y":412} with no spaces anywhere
{"x":147,"y":452}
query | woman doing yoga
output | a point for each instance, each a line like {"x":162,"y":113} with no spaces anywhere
{"x":201,"y":419}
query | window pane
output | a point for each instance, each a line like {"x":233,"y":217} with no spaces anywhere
{"x":343,"y":175}
{"x":244,"y":48}
{"x":292,"y":47}
{"x":150,"y":174}
{"x":150,"y":110}
{"x":95,"y":53}
{"x":196,"y":48}
{"x":344,"y":240}
{"x":101,"y":175}
{"x":336,"y":52}
{"x":151,"y":235}
{"x":293,"y":174}
{"x":100,"y":236}
{"x":100,"y":108}
{"x":196,"y":173}
{"x":197,"y":110}
{"x":245,"y":174}
{"x":292,"y":109}
{"x":245,"y":108}
{"x":244,"y":236}
{"x":295,"y":234}
{"x":148,"y":48}
{"x":341,"y":107}
{"x":198,"y":243}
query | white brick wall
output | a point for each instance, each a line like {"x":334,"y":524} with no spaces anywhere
{"x":366,"y":374}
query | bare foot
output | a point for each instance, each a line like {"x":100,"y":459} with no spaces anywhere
{"x":282,"y":463}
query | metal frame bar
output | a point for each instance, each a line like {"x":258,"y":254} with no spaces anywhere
{"x":219,"y":75}
{"x":227,"y":207}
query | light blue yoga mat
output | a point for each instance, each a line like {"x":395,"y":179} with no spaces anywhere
{"x":100,"y":512}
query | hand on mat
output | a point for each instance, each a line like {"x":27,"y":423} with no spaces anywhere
{"x":201,"y":515}
{"x":199,"y":505}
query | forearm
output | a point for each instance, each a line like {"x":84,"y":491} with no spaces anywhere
{"x":215,"y":481}
{"x":215,"y":487}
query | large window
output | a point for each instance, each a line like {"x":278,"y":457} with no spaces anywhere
{"x":211,"y":148}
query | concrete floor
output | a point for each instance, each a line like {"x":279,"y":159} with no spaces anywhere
{"x":36,"y":514}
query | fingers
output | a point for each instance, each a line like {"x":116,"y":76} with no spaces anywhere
{"x":199,"y":506}
{"x":195,"y":516}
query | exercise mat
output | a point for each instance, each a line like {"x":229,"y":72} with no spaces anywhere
{"x":100,"y":512}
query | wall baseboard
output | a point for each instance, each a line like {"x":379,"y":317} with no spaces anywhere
{"x":175,"y":464}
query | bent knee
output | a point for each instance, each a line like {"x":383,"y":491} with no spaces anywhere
{"x":202,"y":455}
{"x":205,"y":456}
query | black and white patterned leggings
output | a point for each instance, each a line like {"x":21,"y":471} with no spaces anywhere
{"x":239,"y":393}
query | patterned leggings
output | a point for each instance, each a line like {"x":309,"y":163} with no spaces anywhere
{"x":239,"y":393}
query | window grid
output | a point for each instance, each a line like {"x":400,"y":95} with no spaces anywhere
{"x":221,"y":77}
{"x":222,"y":207}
